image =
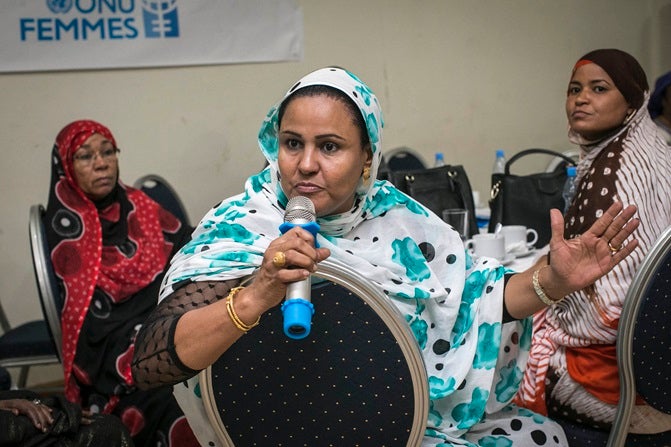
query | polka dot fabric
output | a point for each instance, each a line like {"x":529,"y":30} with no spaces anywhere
{"x":652,"y":341}
{"x":453,"y":306}
{"x":347,"y":384}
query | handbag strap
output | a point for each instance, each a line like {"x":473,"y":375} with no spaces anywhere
{"x":525,"y":152}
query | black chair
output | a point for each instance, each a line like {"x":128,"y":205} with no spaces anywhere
{"x":357,"y":379}
{"x":162,"y":192}
{"x":644,"y":343}
{"x":399,"y":159}
{"x":26,"y":345}
{"x":643,"y":354}
{"x":403,"y":159}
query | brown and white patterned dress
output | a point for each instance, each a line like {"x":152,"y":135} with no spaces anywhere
{"x":572,"y":371}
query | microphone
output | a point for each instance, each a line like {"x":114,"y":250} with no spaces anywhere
{"x":297,"y":310}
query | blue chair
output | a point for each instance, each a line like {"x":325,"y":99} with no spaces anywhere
{"x":357,"y":379}
{"x":162,"y":192}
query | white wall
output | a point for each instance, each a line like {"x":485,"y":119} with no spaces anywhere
{"x":460,"y":76}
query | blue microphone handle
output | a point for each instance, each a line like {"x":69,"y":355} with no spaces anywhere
{"x":297,"y":310}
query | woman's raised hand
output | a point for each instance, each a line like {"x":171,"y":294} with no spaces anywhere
{"x":576,"y":263}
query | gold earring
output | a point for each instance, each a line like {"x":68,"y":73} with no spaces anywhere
{"x":366,"y":174}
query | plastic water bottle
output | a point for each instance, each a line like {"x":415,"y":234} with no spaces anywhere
{"x":439,"y":160}
{"x":499,"y":162}
{"x":569,"y":187}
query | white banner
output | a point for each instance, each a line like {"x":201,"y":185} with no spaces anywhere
{"x":87,"y":34}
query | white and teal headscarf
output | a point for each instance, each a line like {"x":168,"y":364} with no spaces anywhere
{"x":453,"y":306}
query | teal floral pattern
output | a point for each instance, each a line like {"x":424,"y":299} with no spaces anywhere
{"x":452,"y":304}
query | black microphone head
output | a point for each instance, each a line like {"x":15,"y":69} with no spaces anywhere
{"x":300,"y":209}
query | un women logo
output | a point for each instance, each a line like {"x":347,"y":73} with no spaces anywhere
{"x":160,"y":18}
{"x":159,"y":6}
{"x":59,"y":6}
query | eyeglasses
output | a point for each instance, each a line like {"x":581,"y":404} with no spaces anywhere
{"x":109,"y":154}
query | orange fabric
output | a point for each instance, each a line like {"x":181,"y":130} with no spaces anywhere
{"x":536,"y":405}
{"x":595,"y":368}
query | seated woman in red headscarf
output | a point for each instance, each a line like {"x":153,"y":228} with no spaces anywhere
{"x":110,"y":244}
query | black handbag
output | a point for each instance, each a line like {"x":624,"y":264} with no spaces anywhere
{"x":438,"y":189}
{"x":527,"y":199}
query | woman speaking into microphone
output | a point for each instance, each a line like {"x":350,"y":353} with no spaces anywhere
{"x":323,"y":142}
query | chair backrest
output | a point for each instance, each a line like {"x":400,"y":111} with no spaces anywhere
{"x":162,"y":192}
{"x":357,"y":379}
{"x":403,"y":159}
{"x":644,"y":337}
{"x":51,"y":298}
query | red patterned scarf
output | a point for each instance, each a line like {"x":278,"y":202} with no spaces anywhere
{"x":76,"y":236}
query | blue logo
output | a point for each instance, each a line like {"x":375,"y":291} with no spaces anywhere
{"x":160,"y":18}
{"x":57,"y":6}
{"x":82,"y":20}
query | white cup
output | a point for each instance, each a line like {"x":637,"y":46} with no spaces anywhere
{"x":519,"y":239}
{"x":488,"y":245}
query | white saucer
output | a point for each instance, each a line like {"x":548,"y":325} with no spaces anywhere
{"x":508,"y":259}
{"x":523,"y":254}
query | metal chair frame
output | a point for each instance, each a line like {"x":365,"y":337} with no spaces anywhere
{"x":636,"y":294}
{"x":343,"y":275}
{"x":47,"y":288}
{"x":45,"y":276}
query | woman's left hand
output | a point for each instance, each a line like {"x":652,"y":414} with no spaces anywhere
{"x":38,"y":413}
{"x":576,"y":263}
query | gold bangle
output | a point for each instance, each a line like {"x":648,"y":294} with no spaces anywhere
{"x":234,"y":316}
{"x":539,"y":289}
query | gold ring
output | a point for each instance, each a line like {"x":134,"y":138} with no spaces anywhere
{"x":280,"y":259}
{"x":613,"y":250}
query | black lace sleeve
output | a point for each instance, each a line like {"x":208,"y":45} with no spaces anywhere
{"x":155,"y":361}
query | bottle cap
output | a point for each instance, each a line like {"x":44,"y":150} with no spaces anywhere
{"x":439,"y":155}
{"x":500,"y":153}
{"x":571,"y":171}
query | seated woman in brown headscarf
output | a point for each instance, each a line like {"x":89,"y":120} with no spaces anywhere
{"x":572,"y":370}
{"x":110,"y":244}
